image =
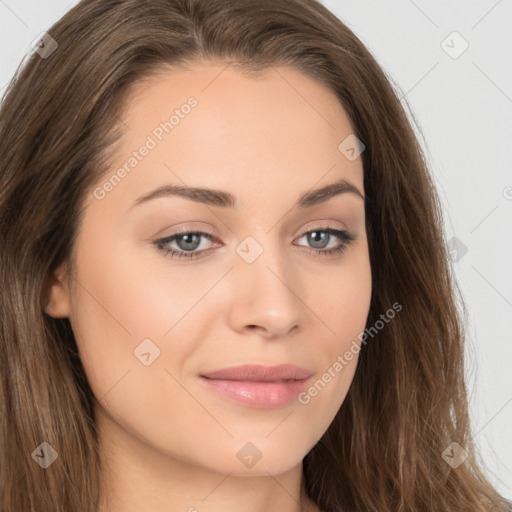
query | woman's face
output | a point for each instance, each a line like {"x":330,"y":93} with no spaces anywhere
{"x":255,"y":289}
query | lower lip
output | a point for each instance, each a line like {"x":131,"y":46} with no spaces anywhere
{"x":267,"y":395}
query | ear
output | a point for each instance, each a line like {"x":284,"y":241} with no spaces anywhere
{"x":57,"y":293}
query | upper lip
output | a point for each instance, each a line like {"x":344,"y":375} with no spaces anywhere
{"x":260,"y":373}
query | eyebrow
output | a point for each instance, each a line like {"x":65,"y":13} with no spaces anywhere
{"x":224,"y":199}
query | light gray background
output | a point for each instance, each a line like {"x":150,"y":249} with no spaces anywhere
{"x":464,"y":110}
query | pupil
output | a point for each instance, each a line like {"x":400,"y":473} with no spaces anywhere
{"x":189,"y":242}
{"x":315,"y":235}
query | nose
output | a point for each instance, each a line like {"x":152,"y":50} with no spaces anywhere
{"x":267,"y":295}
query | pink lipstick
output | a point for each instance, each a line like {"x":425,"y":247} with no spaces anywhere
{"x":258,"y":385}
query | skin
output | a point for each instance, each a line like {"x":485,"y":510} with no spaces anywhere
{"x":168,"y":442}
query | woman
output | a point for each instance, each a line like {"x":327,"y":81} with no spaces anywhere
{"x":223,"y":270}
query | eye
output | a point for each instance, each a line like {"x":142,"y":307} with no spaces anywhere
{"x":187,"y":243}
{"x":320,"y":238}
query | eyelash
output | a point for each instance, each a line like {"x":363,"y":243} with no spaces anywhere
{"x":344,"y":235}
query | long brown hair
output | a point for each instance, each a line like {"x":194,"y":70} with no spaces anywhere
{"x":407,"y":403}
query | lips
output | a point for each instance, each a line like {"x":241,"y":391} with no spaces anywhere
{"x":260,"y":373}
{"x":260,"y":386}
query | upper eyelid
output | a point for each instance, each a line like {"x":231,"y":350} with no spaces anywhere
{"x":186,"y":231}
{"x":321,"y":225}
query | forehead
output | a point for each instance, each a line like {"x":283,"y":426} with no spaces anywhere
{"x":212,"y":125}
{"x":220,"y":85}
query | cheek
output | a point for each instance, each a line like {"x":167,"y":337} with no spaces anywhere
{"x":134,"y":316}
{"x":343,"y":308}
{"x":341,"y":299}
{"x":114,"y":310}
{"x":126,"y":295}
{"x":120,"y":319}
